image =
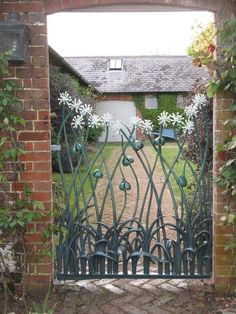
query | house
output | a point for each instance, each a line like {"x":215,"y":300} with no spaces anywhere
{"x":120,"y":78}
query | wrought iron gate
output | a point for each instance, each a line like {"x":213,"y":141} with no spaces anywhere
{"x":130,"y":215}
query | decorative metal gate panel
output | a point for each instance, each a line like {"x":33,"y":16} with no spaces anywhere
{"x":133,"y":214}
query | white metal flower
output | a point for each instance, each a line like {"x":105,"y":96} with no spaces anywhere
{"x":64,"y":99}
{"x":107,"y":119}
{"x":191,"y":111}
{"x":164,"y":118}
{"x":199,"y":100}
{"x":147,"y":126}
{"x":176,"y":119}
{"x":94,"y":121}
{"x":188,"y":126}
{"x":86,"y":110}
{"x":136,"y":122}
{"x":117,"y":126}
{"x":75,"y":105}
{"x":77,"y":122}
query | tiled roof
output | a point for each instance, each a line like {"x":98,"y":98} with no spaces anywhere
{"x":140,"y":74}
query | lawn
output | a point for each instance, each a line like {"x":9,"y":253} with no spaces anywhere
{"x":107,"y":152}
{"x":170,"y":151}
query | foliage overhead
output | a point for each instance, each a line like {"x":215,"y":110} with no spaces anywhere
{"x":203,"y":45}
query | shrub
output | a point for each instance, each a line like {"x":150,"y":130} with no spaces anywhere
{"x":192,"y":149}
{"x":59,"y":83}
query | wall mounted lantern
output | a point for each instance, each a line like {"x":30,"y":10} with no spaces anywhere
{"x":14,"y":37}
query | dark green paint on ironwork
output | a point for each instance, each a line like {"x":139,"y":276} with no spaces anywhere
{"x":90,"y":247}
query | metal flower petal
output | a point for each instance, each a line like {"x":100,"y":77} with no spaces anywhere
{"x":65,"y":98}
{"x":176,"y":119}
{"x":75,"y":105}
{"x":188,"y":126}
{"x":147,"y":127}
{"x":117,"y":126}
{"x":191,"y":111}
{"x":86,"y":110}
{"x":136,"y":122}
{"x":199,"y":100}
{"x":94,"y":121}
{"x":107,"y":119}
{"x":77,"y":122}
{"x":164,"y":118}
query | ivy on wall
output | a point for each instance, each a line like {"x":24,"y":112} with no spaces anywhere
{"x":166,"y":102}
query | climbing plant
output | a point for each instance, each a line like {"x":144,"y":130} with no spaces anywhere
{"x":10,"y":149}
{"x":166,"y":102}
{"x":14,"y":215}
{"x":225,"y":81}
{"x":192,"y":149}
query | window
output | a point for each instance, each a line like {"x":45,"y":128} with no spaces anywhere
{"x":115,"y":64}
{"x":151,"y":102}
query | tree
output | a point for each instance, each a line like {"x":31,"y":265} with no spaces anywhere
{"x":203,"y":46}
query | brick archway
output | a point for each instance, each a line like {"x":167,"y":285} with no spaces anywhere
{"x":33,"y":77}
{"x":64,"y":5}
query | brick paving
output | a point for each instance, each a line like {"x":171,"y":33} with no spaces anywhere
{"x":141,"y":296}
{"x":130,"y":205}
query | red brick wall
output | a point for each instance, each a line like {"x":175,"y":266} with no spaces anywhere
{"x":118,"y":97}
{"x":52,"y":6}
{"x":34,"y":78}
{"x":223,"y":261}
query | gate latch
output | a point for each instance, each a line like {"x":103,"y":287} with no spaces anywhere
{"x":55,"y":148}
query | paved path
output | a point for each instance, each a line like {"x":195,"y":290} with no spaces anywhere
{"x":144,"y":296}
{"x":129,"y":296}
{"x":146,"y":198}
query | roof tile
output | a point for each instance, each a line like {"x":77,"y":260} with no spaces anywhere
{"x":140,"y":74}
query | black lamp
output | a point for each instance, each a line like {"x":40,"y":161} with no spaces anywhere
{"x":14,"y":37}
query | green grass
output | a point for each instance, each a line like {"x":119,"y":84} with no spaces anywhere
{"x":170,"y":152}
{"x":107,"y":152}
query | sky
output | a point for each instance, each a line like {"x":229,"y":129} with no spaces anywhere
{"x":123,"y":33}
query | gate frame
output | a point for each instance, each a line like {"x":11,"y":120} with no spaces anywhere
{"x":34,"y":77}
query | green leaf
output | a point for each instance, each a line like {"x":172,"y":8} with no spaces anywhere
{"x":9,"y":86}
{"x":220,"y":148}
{"x":212,"y":89}
{"x":231,"y":219}
{"x":230,"y":246}
{"x":6,"y":121}
{"x":231,"y":145}
{"x":4,"y":102}
{"x":38,"y":205}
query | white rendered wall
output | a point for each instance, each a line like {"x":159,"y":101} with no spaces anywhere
{"x":121,"y":110}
